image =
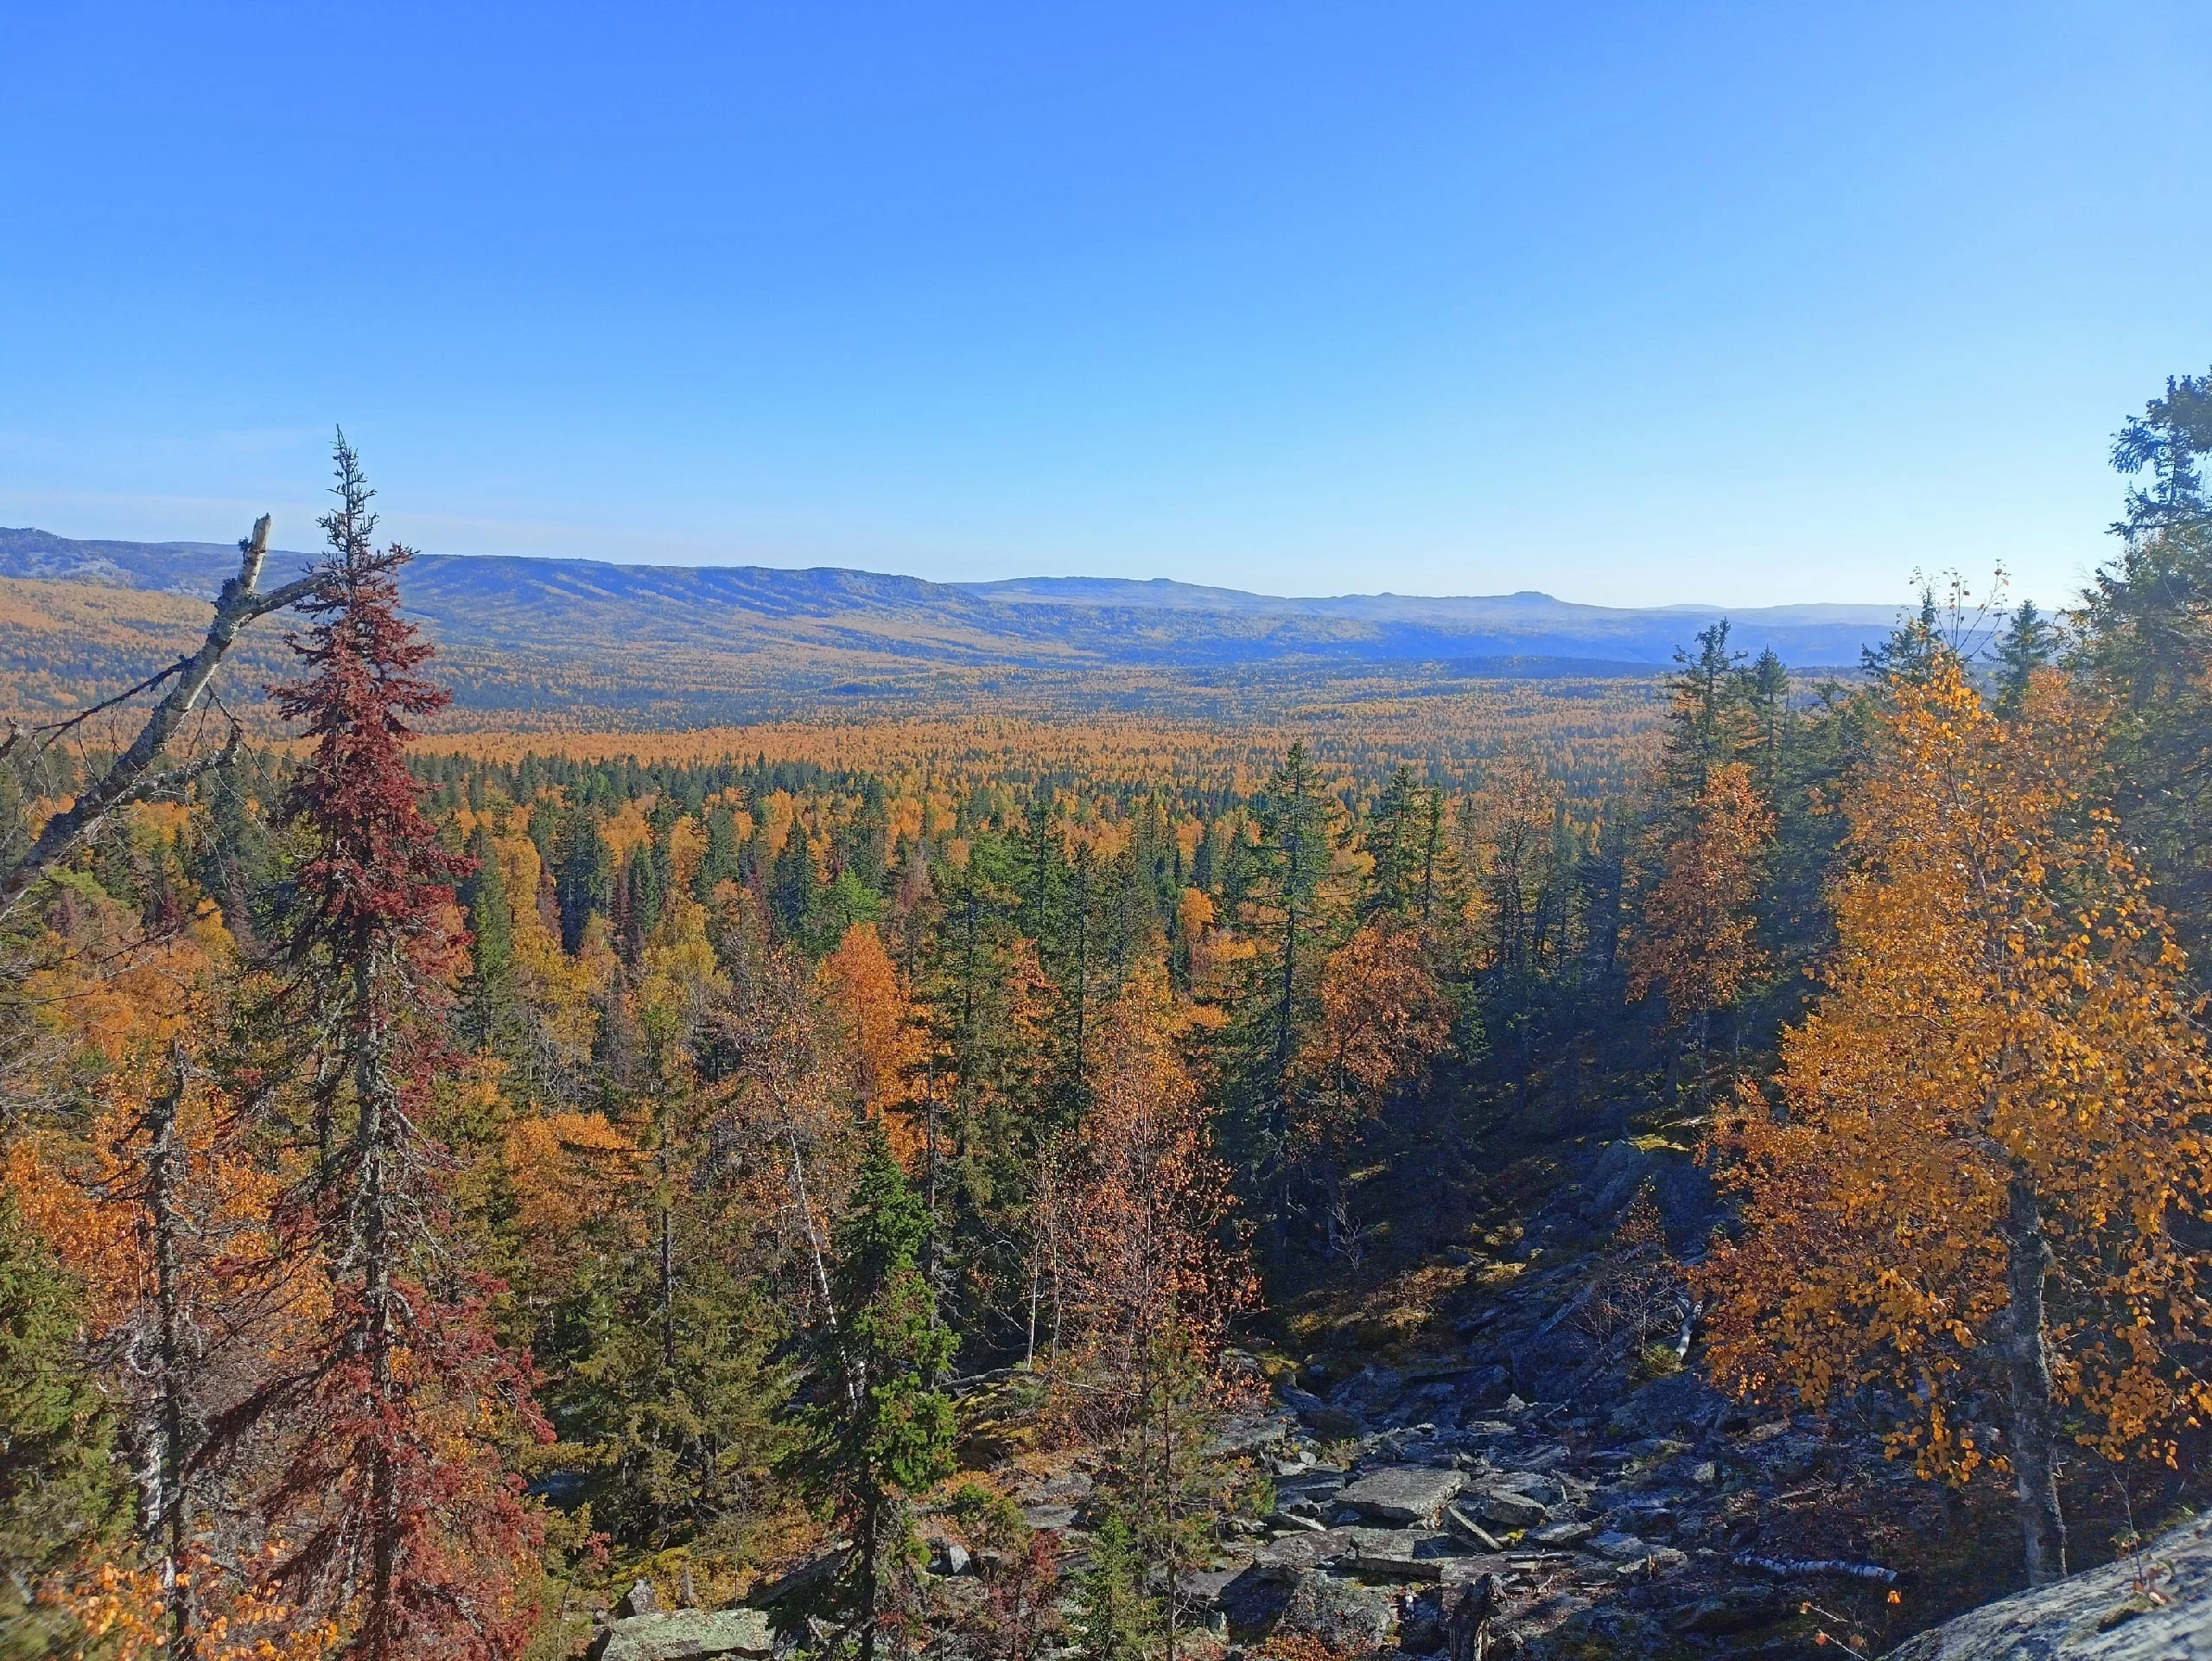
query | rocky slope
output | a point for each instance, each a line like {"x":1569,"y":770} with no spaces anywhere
{"x":1544,"y":1479}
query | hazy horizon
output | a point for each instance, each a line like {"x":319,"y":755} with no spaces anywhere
{"x":1041,"y":576}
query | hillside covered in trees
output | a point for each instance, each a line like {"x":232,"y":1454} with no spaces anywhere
{"x":1463,"y":1173}
{"x":549,"y":644}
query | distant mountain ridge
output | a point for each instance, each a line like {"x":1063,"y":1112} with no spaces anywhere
{"x":678,"y":638}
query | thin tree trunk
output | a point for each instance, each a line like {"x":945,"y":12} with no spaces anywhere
{"x":2034,"y":1450}
{"x":1167,"y":1502}
{"x":806,"y":1217}
{"x":866,"y":1545}
{"x":1082,"y":967}
{"x":175,"y":1518}
{"x":376,"y":1140}
{"x":667,"y":1284}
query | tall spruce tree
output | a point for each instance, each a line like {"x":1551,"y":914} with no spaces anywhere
{"x":879,"y":1429}
{"x":399,"y":1524}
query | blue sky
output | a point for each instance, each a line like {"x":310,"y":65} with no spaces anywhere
{"x":1743,"y":303}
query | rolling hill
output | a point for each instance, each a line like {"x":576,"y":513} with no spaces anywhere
{"x":585,"y":643}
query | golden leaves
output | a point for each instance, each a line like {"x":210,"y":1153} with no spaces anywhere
{"x":2003,"y":1002}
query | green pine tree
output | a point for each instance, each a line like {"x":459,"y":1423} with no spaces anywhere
{"x":878,"y":1430}
{"x":61,"y":1491}
{"x":1114,"y":1620}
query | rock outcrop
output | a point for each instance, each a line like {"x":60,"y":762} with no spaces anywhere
{"x":2156,"y":1606}
{"x":684,"y":1635}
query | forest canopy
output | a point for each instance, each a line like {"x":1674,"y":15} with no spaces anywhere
{"x":452,"y":1178}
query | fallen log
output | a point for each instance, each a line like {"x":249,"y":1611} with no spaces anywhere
{"x":1835,"y":1568}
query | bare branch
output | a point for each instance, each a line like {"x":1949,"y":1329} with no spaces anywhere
{"x":132,"y":777}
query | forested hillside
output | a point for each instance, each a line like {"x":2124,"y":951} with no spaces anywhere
{"x":1563,"y":1175}
{"x":566,"y":644}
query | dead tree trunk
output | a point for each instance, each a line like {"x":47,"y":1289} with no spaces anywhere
{"x":133,"y":777}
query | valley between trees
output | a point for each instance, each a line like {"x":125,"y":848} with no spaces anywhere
{"x":1578,"y":1174}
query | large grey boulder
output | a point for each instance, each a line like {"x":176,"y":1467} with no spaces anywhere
{"x":685,"y":1635}
{"x":2156,"y":1606}
{"x":1403,"y":1494}
{"x":1344,"y":1616}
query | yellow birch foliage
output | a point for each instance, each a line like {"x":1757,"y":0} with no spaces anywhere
{"x":2005,"y":1002}
{"x":1383,"y":1022}
{"x":1696,"y":943}
{"x":1149,"y":1202}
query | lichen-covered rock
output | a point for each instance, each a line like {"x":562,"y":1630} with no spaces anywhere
{"x":1341,"y":1614}
{"x":685,"y":1635}
{"x":1403,"y":1494}
{"x":1508,"y":1508}
{"x":2156,"y":1606}
{"x":1405,"y":1554}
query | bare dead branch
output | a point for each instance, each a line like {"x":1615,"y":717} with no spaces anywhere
{"x":133,"y":776}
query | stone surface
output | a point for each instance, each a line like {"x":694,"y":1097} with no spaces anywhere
{"x":1620,"y":1548}
{"x":1403,"y":1494}
{"x":639,"y":1600}
{"x":1343,"y":1615}
{"x":1405,"y":1554}
{"x":947,"y":1557}
{"x":1505,"y":1508}
{"x":1296,"y":1553}
{"x":1561,"y":1534}
{"x":2106,"y":1614}
{"x":684,"y":1635}
{"x":1250,"y":1602}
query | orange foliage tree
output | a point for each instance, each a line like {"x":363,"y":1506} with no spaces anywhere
{"x":1152,"y":1286}
{"x":868,"y":999}
{"x":1382,"y":1021}
{"x":1696,"y":946}
{"x":1992,"y":1121}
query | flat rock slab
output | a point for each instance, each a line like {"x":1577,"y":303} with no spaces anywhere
{"x":1617,"y":1546}
{"x":1296,"y":1553}
{"x":684,"y":1635}
{"x":1403,"y":1494}
{"x":1507,"y":1509}
{"x":1405,"y":1554}
{"x":1562,"y":1534}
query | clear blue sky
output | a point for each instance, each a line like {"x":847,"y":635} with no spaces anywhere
{"x":1674,"y":301}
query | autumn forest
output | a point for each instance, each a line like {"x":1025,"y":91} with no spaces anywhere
{"x":1001,"y":1182}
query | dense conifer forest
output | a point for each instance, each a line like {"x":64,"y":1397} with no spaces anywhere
{"x":452,"y":1183}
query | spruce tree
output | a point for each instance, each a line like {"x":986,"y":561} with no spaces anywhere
{"x":398,"y":1525}
{"x":1282,"y":889}
{"x":61,"y":1491}
{"x":1115,"y":1620}
{"x":878,"y":1430}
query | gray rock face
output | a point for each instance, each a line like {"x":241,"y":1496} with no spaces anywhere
{"x":1506,"y":1508}
{"x":1294,"y":1553}
{"x":2154,"y":1607}
{"x":1404,"y":1554}
{"x":1620,"y":1548}
{"x":685,"y":1635}
{"x":1403,"y":1494}
{"x":1345,"y":1617}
